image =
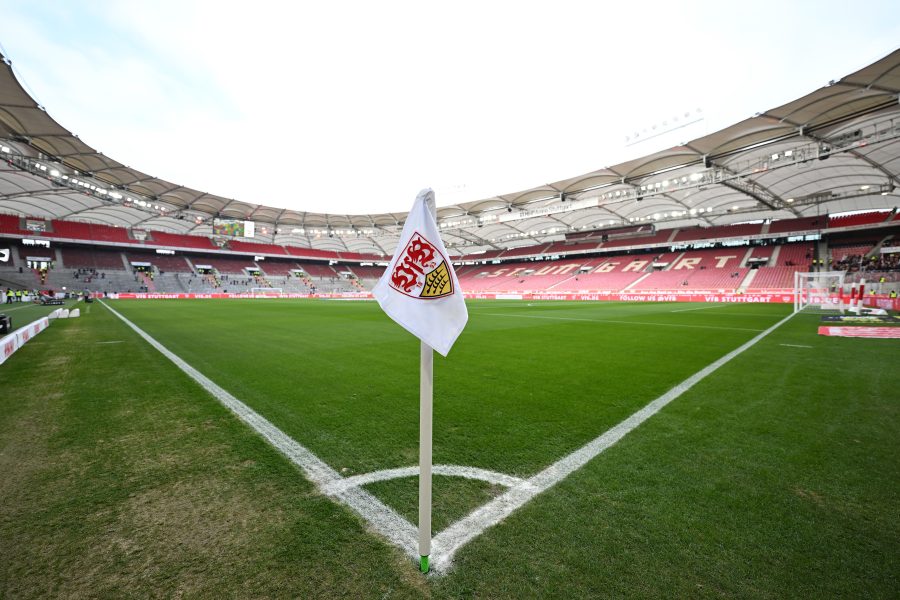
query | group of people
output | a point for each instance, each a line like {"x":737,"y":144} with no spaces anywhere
{"x":15,"y":295}
{"x":859,"y":262}
{"x":88,"y":274}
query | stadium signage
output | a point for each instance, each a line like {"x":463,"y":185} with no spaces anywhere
{"x":781,"y":297}
{"x":562,"y":207}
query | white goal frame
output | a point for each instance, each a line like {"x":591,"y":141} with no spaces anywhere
{"x":823,"y":291}
{"x":259,"y":291}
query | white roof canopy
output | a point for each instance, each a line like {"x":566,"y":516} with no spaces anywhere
{"x":836,"y":149}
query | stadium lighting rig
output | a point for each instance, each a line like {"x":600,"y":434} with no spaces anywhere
{"x":737,"y":175}
{"x":83,"y":183}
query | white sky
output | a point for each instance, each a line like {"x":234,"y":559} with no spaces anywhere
{"x":352,"y":107}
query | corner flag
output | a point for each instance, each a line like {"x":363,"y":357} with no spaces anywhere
{"x":420,"y":291}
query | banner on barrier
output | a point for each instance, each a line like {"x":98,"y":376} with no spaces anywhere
{"x":10,"y":343}
{"x":757,"y":297}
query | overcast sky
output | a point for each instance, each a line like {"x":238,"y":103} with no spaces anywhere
{"x":352,"y":107}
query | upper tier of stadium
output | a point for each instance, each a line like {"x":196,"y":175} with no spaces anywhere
{"x":834,"y":150}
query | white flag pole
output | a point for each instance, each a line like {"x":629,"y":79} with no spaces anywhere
{"x":426,"y":386}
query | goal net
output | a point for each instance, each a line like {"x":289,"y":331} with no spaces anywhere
{"x":274,"y":292}
{"x":822,"y":291}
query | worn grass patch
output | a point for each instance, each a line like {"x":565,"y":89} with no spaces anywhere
{"x":122,"y":478}
{"x":777,"y":476}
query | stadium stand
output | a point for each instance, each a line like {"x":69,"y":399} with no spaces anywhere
{"x":310,"y":252}
{"x":76,"y":257}
{"x":537,"y":276}
{"x":721,"y":232}
{"x":165,"y":263}
{"x":177,"y":240}
{"x":369,"y":272}
{"x":866,"y":218}
{"x":567,"y":247}
{"x":759,"y":253}
{"x":10,"y":224}
{"x":317,"y":270}
{"x":840,"y":253}
{"x":278,"y":267}
{"x":725,"y":268}
{"x":234,"y":266}
{"x":803,"y":224}
{"x":255,"y":247}
{"x":795,"y":255}
{"x":609,"y":274}
{"x":656,"y":239}
{"x":525,"y":251}
{"x":90,"y":231}
{"x":360,"y":257}
{"x":774,"y":278}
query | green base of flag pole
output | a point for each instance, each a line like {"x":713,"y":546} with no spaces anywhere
{"x":423,"y":564}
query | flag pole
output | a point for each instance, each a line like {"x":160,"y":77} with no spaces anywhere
{"x":426,"y":386}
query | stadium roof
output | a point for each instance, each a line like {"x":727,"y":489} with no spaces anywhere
{"x":834,"y":150}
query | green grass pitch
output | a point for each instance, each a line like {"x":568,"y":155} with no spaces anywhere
{"x":776,"y":476}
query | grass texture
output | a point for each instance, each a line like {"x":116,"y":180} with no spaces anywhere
{"x":775,"y":476}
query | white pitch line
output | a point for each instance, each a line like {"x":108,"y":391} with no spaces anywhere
{"x":794,"y":346}
{"x":382,"y":518}
{"x":448,"y":542}
{"x":6,"y":310}
{"x":700,"y":308}
{"x":449,"y":470}
{"x":621,"y":322}
{"x":392,"y":525}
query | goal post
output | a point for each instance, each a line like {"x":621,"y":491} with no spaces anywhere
{"x":822,"y":291}
{"x":267,"y":292}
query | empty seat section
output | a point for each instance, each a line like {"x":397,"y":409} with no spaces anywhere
{"x":311,"y":252}
{"x":658,"y":238}
{"x":774,"y":278}
{"x":795,"y":255}
{"x":90,"y":231}
{"x":719,"y":232}
{"x":717,"y":268}
{"x":802,"y":224}
{"x":318,"y":270}
{"x":485,"y":278}
{"x":255,"y":247}
{"x":166,"y":263}
{"x":607,"y":274}
{"x":543,"y":276}
{"x":526,"y":251}
{"x":358,"y":256}
{"x":179,"y":240}
{"x":92,"y":258}
{"x":564,"y":247}
{"x":227,"y":265}
{"x":761,"y":252}
{"x":277,"y":267}
{"x":10,"y":224}
{"x":865,"y":218}
{"x":370,"y":272}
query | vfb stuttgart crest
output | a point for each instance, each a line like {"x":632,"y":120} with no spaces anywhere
{"x":421,"y":271}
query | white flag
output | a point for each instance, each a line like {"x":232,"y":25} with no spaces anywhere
{"x":419,"y":290}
